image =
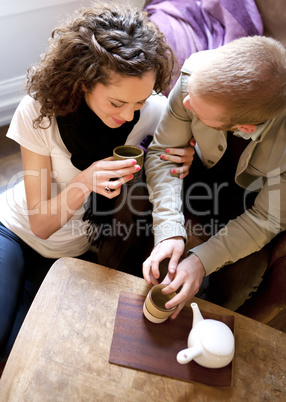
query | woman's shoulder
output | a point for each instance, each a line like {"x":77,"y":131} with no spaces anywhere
{"x":28,"y":103}
{"x":156,"y":103}
{"x":23,"y":131}
{"x":27,"y":109}
{"x":159,"y":99}
{"x":27,"y":112}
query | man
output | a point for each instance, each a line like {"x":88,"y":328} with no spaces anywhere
{"x":237,"y":90}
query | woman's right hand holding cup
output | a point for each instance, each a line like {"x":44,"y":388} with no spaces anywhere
{"x":106,"y":176}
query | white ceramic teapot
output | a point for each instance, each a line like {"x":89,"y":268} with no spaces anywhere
{"x":210,"y":342}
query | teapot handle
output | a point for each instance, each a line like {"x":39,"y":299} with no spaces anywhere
{"x":186,"y":355}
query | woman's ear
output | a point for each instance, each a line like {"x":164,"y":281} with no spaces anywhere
{"x":246,"y":128}
{"x":84,"y":88}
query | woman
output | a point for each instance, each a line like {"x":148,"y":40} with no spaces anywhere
{"x":91,"y":92}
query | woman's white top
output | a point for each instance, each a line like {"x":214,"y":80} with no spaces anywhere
{"x":71,"y":240}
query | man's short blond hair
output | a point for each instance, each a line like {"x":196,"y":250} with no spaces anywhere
{"x":247,"y":77}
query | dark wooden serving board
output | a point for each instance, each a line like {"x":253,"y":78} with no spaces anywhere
{"x":140,"y":344}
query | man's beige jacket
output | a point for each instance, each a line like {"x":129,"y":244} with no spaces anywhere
{"x":261,"y":168}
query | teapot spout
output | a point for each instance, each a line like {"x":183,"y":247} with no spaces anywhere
{"x":197,"y":316}
{"x":186,"y":355}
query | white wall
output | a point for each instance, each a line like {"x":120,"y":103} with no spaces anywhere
{"x":25,"y":26}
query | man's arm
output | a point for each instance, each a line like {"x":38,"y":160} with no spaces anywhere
{"x":250,"y":231}
{"x":242,"y":236}
{"x":174,"y":130}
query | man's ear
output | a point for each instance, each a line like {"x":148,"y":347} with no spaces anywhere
{"x":246,"y":128}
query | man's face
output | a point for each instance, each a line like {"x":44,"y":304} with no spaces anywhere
{"x":207,"y":113}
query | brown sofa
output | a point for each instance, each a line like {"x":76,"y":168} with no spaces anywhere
{"x":273,"y":14}
{"x":268,"y":304}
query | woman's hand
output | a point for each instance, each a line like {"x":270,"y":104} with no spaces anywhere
{"x":184,"y":156}
{"x":48,"y":214}
{"x":108,"y":174}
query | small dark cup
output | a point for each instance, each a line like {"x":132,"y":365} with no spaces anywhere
{"x":130,"y":152}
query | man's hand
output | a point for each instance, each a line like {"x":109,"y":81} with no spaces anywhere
{"x":171,"y":248}
{"x":189,"y":274}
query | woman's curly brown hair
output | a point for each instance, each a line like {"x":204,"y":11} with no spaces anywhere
{"x":86,"y":50}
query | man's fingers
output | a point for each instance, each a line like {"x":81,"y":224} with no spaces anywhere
{"x":177,"y":311}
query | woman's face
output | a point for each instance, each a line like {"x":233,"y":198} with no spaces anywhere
{"x":116,"y":103}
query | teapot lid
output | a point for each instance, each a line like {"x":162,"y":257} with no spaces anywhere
{"x":216,"y":337}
